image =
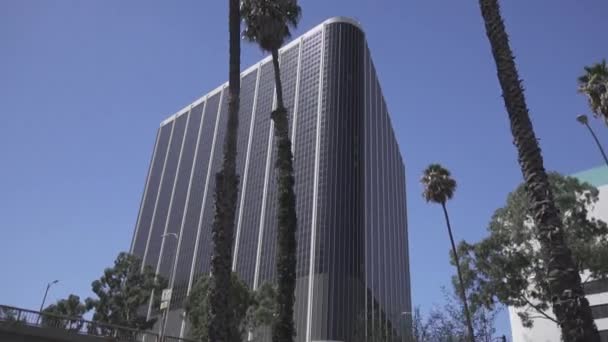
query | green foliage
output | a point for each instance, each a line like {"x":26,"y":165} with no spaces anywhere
{"x":263,"y":309}
{"x":438,"y":184}
{"x":268,"y":22}
{"x":197,"y":308}
{"x":11,"y":316}
{"x":508,"y":266}
{"x":594,"y":84}
{"x":226,"y":193}
{"x":8,"y":314}
{"x":123,"y":291}
{"x":448,"y":322}
{"x":66,"y":314}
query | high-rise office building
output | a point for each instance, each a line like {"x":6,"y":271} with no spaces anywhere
{"x":352,"y":245}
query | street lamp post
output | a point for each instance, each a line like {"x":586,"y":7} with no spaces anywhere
{"x":46,"y":292}
{"x":584,"y":121}
{"x":165,"y":312}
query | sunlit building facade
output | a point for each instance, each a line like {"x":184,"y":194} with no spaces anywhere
{"x":352,"y":239}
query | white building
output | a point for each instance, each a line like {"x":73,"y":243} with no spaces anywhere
{"x":597,"y":291}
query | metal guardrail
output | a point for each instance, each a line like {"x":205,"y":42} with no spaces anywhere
{"x":18,"y":316}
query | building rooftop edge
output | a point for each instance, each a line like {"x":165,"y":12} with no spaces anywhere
{"x":267,"y":59}
{"x":597,"y":176}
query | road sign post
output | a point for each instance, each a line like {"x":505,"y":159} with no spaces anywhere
{"x":165,"y":298}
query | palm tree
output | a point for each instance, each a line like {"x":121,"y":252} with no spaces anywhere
{"x":226,"y":182}
{"x":268,"y":22}
{"x":594,"y":84}
{"x":570,"y":306}
{"x":439,"y":187}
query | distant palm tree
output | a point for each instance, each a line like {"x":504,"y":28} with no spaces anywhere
{"x":594,"y":84}
{"x":570,"y":306}
{"x":221,"y":320}
{"x":267,"y":22}
{"x":439,"y":187}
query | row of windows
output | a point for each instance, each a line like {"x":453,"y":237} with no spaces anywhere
{"x":343,"y":231}
{"x":289,"y":63}
{"x":190,"y":232}
{"x":304,"y":161}
{"x":205,"y":247}
{"x":595,"y":286}
{"x":339,"y":228}
{"x":386,"y":240}
{"x":142,"y":230}
{"x":599,"y":311}
{"x":173,"y":224}
{"x":161,"y":207}
{"x":247,"y":253}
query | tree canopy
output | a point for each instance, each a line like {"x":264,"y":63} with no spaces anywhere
{"x":71,"y":307}
{"x":250,"y":309}
{"x":268,"y":22}
{"x":123,"y":291}
{"x":594,"y":84}
{"x":448,"y":322}
{"x":508,"y":266}
{"x":439,"y":186}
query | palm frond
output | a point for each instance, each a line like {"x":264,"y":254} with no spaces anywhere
{"x":438,"y":184}
{"x":268,"y":22}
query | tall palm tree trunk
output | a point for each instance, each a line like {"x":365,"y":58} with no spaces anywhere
{"x":277,"y":80}
{"x":221,"y":320}
{"x":463,"y":294}
{"x":570,"y":306}
{"x":283,"y":329}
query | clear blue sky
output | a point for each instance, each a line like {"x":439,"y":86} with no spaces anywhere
{"x":85,"y":84}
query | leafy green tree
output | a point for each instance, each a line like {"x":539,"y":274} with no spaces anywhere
{"x":263,"y":310}
{"x":420,"y":326}
{"x":448,"y":322}
{"x":8,"y":314}
{"x":569,"y":303}
{"x":452,"y":313}
{"x":439,"y":187}
{"x":226,"y":189}
{"x":508,"y":266}
{"x":123,"y":291}
{"x":70,"y":310}
{"x":199,"y":300}
{"x":594,"y":84}
{"x":11,"y":316}
{"x":268,"y":22}
{"x":250,"y":310}
{"x":437,"y":326}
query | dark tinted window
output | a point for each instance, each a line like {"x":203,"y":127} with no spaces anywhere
{"x":599,"y":311}
{"x":595,"y":286}
{"x":604,"y":336}
{"x":151,"y":191}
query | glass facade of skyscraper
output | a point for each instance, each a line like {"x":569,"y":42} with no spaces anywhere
{"x":352,"y":251}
